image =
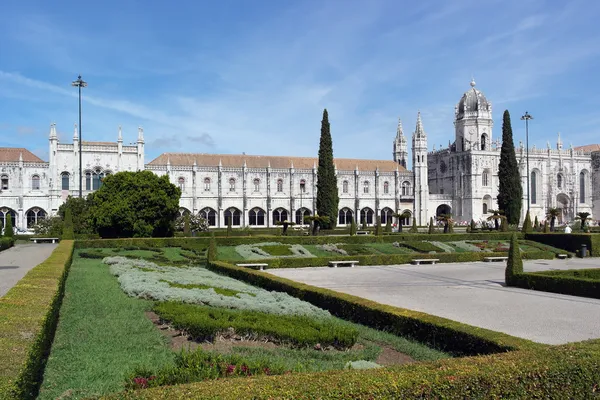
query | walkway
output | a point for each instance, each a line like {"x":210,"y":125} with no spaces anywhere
{"x":18,"y":260}
{"x":472,"y":293}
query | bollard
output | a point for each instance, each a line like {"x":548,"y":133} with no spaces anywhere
{"x":583,"y":251}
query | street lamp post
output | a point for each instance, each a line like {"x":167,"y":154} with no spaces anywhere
{"x":526,"y":118}
{"x":79,"y":83}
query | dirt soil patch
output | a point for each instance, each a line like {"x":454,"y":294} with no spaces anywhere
{"x":224,"y":344}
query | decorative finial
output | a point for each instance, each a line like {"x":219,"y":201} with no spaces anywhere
{"x":120,"y":138}
{"x":472,"y":82}
{"x":75,"y":132}
{"x":399,"y":130}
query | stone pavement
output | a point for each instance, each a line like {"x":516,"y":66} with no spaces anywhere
{"x":18,"y":260}
{"x":472,"y":293}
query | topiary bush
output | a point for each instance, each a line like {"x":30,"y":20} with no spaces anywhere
{"x":514,"y":265}
{"x":68,"y":233}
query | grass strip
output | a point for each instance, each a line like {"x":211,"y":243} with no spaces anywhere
{"x":204,"y":322}
{"x":224,"y":292}
{"x":278,"y":250}
{"x":102,"y":335}
{"x":28,"y":315}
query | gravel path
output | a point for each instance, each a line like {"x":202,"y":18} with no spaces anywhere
{"x":472,"y":293}
{"x":18,"y":260}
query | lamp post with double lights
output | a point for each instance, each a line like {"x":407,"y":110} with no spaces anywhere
{"x":80,"y":83}
{"x":526,"y":118}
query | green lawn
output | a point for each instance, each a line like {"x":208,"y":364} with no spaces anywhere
{"x":101,"y":336}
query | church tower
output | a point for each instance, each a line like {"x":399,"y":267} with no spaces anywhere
{"x":400,"y":147}
{"x":473,"y":122}
{"x":419,"y":151}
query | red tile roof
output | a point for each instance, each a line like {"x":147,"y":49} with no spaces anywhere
{"x":11,"y":154}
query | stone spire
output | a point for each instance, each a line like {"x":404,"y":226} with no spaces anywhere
{"x":559,"y":144}
{"x":399,"y":130}
{"x":75,"y":133}
{"x":140,"y":135}
{"x":53,"y":134}
{"x":419,"y":131}
{"x":120,"y":137}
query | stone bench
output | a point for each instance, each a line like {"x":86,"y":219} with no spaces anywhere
{"x":562,"y":256}
{"x":36,"y":240}
{"x":425,"y":261}
{"x":490,"y":259}
{"x":334,"y":264}
{"x":362,"y":232}
{"x":260,"y":266}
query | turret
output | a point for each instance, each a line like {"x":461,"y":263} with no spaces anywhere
{"x":400,"y":146}
{"x":419,"y":144}
{"x":473,"y":121}
{"x":140,"y":149}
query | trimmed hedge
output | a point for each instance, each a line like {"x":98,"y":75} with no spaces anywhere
{"x":565,"y":372}
{"x":569,"y":241}
{"x":6,"y":243}
{"x":28,"y":316}
{"x":436,"y":332}
{"x":587,"y":284}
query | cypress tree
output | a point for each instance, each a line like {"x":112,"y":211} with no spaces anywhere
{"x":473,"y":226}
{"x":430,"y":231}
{"x":536,"y":224}
{"x":352,"y":227}
{"x":388,"y":225}
{"x":546,"y":227}
{"x":514,"y":265}
{"x":68,"y":232}
{"x":327,"y":190}
{"x":186,"y":225}
{"x":8,"y":229}
{"x":413,"y":228}
{"x":211,"y":254}
{"x":378,"y":226}
{"x":229,"y":230}
{"x":510,"y":191}
{"x":527,"y":224}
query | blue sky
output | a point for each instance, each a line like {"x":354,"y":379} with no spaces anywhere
{"x":247,"y":76}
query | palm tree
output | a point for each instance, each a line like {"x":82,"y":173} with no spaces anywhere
{"x":583,"y":216}
{"x":496,"y":217}
{"x":552,"y":213}
{"x":401,"y":217}
{"x":446,"y":219}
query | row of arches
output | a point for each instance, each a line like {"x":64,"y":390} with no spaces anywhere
{"x":257,"y":216}
{"x":33,"y":216}
{"x":535,"y":185}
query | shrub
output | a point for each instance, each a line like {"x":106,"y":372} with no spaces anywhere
{"x":585,"y":282}
{"x":569,"y":241}
{"x":212,"y":254}
{"x":378,"y":226}
{"x":352,"y":227}
{"x":413,"y":228}
{"x":514,"y":265}
{"x":204,"y":323}
{"x":67,"y":233}
{"x":388,"y":225}
{"x":431,"y":227}
{"x":527,"y":223}
{"x":29,"y":315}
{"x":6,"y":243}
{"x":8,"y":228}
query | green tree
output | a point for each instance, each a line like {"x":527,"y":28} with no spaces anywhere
{"x":229,"y":228}
{"x":514,"y":265}
{"x":68,"y":232}
{"x":527,"y":224}
{"x":378,"y":226}
{"x":49,"y":227}
{"x":496,"y":217}
{"x":211,"y":253}
{"x":80,"y":213}
{"x":582,"y":216}
{"x":413,"y":228}
{"x":327,"y":190}
{"x":8,"y":228}
{"x":473,"y":226}
{"x":536,"y":224}
{"x":186,"y":224}
{"x":352,"y":227}
{"x":504,"y":224}
{"x":388,"y":225}
{"x":510,"y":191}
{"x":401,"y":217}
{"x":447,"y":220}
{"x":431,"y":227}
{"x":546,"y":227}
{"x":552,"y":213}
{"x":135,"y":204}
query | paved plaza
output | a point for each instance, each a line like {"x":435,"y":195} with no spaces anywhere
{"x":18,"y":260}
{"x":472,"y":293}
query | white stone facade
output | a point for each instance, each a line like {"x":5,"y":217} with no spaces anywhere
{"x":258,"y":191}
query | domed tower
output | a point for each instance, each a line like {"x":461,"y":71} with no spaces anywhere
{"x":400,"y":147}
{"x":473,"y":121}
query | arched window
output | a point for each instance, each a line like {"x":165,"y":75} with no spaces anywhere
{"x":4,"y":182}
{"x":233,"y":215}
{"x":582,"y":187}
{"x":406,"y":221}
{"x":386,"y":214}
{"x":345,"y":216}
{"x":483,"y":141}
{"x":181,"y":183}
{"x":533,"y":191}
{"x":64,"y":180}
{"x":232,"y":185}
{"x":35,"y":182}
{"x":257,"y":217}
{"x":88,"y":181}
{"x":4,"y":213}
{"x":280,"y":215}
{"x":280,"y":185}
{"x":302,"y":186}
{"x":386,"y":187}
{"x":559,"y":181}
{"x":209,"y":215}
{"x":485,"y":209}
{"x":485,"y":178}
{"x":300,"y":214}
{"x":345,"y":187}
{"x":366,"y":216}
{"x":97,"y":177}
{"x":35,"y":215}
{"x":406,"y":188}
{"x":207,"y":184}
{"x":366,"y":187}
{"x":184,"y":211}
{"x":256,"y":183}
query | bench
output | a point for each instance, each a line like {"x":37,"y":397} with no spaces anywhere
{"x":260,"y":266}
{"x":490,"y":259}
{"x":362,"y":232}
{"x":562,"y":256}
{"x":334,"y":264}
{"x":36,"y":240}
{"x":424,"y":260}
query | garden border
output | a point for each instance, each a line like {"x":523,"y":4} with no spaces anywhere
{"x":553,"y":281}
{"x":29,"y":314}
